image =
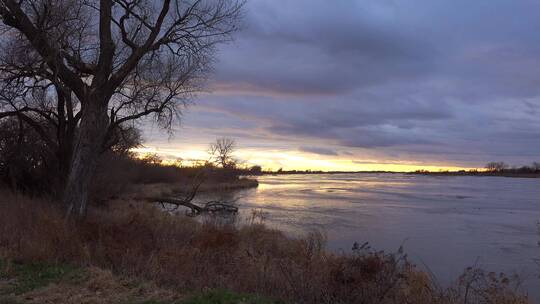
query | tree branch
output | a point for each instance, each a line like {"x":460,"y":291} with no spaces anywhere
{"x":14,"y":16}
{"x":106,"y":49}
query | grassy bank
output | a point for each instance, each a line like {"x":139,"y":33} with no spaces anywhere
{"x":61,"y":283}
{"x":179,"y":257}
{"x":174,"y":189}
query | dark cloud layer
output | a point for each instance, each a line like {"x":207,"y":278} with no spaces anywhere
{"x":449,"y":81}
{"x":318,"y":150}
{"x":322,"y":47}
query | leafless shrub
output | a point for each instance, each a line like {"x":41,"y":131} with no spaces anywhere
{"x":479,"y":286}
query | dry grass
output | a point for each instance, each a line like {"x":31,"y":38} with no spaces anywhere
{"x":95,"y":286}
{"x":172,"y":189}
{"x":137,"y":240}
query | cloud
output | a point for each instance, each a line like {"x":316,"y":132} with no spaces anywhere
{"x":453,"y":81}
{"x":326,"y":49}
{"x":318,"y":150}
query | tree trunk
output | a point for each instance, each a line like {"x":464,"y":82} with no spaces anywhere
{"x":65,"y":134}
{"x":64,"y":155}
{"x":88,"y":145}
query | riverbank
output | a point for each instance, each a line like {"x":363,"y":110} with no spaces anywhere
{"x":38,"y":283}
{"x":427,"y":173}
{"x":135,"y":240}
{"x":479,"y":173}
{"x":183,"y":189}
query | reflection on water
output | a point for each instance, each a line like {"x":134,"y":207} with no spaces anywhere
{"x":448,"y":223}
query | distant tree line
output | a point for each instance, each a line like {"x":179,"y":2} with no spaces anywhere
{"x":498,"y":168}
{"x":504,"y":167}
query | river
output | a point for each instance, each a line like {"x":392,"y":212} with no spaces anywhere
{"x":444,"y":223}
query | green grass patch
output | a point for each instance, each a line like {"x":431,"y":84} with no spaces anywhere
{"x":216,"y":297}
{"x":27,"y":277}
{"x":226,"y":297}
{"x":9,"y":300}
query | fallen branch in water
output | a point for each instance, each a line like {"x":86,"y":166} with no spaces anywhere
{"x":210,"y":207}
{"x":177,"y":203}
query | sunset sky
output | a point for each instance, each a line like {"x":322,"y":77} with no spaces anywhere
{"x":372,"y":85}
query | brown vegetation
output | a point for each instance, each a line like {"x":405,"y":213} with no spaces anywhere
{"x":125,"y":175}
{"x":28,"y":167}
{"x":89,"y":285}
{"x":136,"y":239}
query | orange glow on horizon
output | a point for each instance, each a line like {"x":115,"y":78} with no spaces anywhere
{"x":294,"y":160}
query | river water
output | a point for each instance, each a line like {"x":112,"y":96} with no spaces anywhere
{"x":444,"y":223}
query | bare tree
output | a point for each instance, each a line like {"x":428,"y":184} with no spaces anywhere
{"x":222,"y":152}
{"x":89,"y":67}
{"x":496,"y":166}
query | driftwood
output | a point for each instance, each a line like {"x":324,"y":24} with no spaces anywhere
{"x":209,"y":207}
